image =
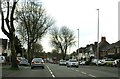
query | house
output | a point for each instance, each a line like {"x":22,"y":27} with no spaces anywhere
{"x":3,"y":46}
{"x":105,"y":50}
{"x":112,"y":50}
{"x":103,"y":45}
{"x":80,"y":53}
{"x":109,"y":50}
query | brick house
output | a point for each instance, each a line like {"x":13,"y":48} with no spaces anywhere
{"x":110,"y":50}
{"x":103,"y":46}
{"x":113,"y":50}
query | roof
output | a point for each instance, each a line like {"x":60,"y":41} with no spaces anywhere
{"x":110,"y":46}
{"x":103,"y":45}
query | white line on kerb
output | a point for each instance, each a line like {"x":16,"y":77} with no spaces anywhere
{"x":51,"y":72}
{"x":92,"y":75}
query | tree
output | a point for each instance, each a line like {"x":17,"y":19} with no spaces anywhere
{"x":62,"y":39}
{"x":10,"y":30}
{"x":37,"y":47}
{"x":18,"y":46}
{"x":33,"y":23}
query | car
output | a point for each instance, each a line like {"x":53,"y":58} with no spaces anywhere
{"x":100,"y":62}
{"x":94,"y":61}
{"x":73,"y":63}
{"x":24,"y":62}
{"x":62,"y":62}
{"x":115,"y":63}
{"x":19,"y":59}
{"x":82,"y":62}
{"x":37,"y":62}
{"x":108,"y":61}
{"x":2,"y":59}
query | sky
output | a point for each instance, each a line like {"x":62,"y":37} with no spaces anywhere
{"x":82,"y":15}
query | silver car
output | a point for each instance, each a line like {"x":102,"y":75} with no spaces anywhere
{"x":116,"y":62}
{"x":37,"y":62}
{"x":73,"y":63}
{"x":62,"y":62}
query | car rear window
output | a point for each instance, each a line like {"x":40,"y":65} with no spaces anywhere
{"x":38,"y":59}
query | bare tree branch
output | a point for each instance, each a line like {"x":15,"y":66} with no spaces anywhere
{"x":62,"y":39}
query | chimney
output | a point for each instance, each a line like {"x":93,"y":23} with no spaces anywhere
{"x":103,"y":39}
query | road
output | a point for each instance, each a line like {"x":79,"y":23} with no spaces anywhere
{"x":54,"y":70}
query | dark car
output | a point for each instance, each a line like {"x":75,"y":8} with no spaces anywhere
{"x":24,"y":62}
{"x":37,"y":62}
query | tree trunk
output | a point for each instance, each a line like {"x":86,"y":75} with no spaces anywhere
{"x":29,"y":52}
{"x":13,"y":53}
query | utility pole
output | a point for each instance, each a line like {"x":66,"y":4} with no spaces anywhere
{"x":78,"y":42}
{"x":98,"y":36}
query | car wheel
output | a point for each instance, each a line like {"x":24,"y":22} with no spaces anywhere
{"x":43,"y":68}
{"x":77,"y":66}
{"x":31,"y":67}
{"x":68,"y":66}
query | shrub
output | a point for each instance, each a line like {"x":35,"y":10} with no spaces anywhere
{"x":109,"y":64}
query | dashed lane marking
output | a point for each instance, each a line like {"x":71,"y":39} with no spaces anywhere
{"x":92,"y":75}
{"x":77,"y":70}
{"x":83,"y":73}
{"x":51,"y":72}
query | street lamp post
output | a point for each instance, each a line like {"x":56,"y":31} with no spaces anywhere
{"x":78,"y":41}
{"x":98,"y":36}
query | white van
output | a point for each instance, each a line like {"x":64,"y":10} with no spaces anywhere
{"x":2,"y":59}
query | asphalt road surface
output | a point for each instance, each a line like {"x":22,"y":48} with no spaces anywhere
{"x":54,"y":71}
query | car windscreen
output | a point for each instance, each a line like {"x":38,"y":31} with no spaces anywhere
{"x":62,"y":61}
{"x":73,"y":60}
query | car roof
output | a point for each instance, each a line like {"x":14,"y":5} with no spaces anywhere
{"x":37,"y":58}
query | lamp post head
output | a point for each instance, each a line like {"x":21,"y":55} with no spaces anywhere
{"x":97,"y":9}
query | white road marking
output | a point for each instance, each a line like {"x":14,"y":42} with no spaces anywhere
{"x":77,"y":70}
{"x":51,"y":72}
{"x":92,"y":75}
{"x":83,"y":73}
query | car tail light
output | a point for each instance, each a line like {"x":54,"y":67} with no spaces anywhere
{"x":42,"y":62}
{"x":33,"y":62}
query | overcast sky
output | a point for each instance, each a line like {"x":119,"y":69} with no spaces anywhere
{"x":82,"y":15}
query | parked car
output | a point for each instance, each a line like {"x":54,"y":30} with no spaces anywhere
{"x":24,"y":62}
{"x":73,"y":63}
{"x":62,"y":62}
{"x":67,"y":62}
{"x":94,"y":61}
{"x":100,"y":62}
{"x":108,"y":61}
{"x":2,"y":59}
{"x":37,"y":62}
{"x":19,"y":59}
{"x":82,"y":62}
{"x":115,"y":63}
